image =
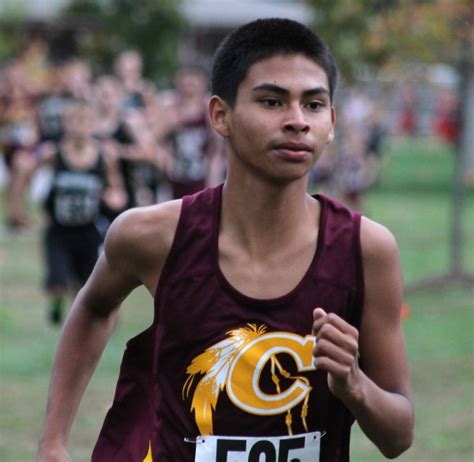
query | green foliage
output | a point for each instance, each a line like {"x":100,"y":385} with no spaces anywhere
{"x":150,"y":26}
{"x":377,"y":33}
{"x":11,"y":10}
{"x":10,"y":37}
{"x":344,"y":25}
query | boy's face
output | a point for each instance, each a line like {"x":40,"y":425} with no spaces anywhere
{"x":129,"y":64}
{"x":191,"y":83}
{"x":79,"y":121}
{"x":108,"y":94}
{"x":282,"y":118}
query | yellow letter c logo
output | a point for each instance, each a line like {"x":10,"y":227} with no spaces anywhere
{"x":243,"y":386}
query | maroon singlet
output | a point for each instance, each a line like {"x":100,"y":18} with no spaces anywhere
{"x":193,"y":371}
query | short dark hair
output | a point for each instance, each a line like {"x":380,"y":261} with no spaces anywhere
{"x":262,"y":39}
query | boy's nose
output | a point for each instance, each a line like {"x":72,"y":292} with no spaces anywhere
{"x":295,"y":121}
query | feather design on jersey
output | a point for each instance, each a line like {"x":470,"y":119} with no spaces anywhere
{"x":215,"y":363}
{"x":148,"y":457}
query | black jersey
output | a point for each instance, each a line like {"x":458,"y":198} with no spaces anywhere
{"x":75,"y":194}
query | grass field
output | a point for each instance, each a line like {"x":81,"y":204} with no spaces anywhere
{"x":412,"y":199}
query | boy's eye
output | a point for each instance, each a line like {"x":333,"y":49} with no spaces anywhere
{"x":271,"y":102}
{"x":315,"y":105}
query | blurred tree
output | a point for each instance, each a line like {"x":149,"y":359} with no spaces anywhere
{"x":379,"y":33}
{"x":389,"y":33}
{"x":11,"y":37}
{"x":153,"y":27}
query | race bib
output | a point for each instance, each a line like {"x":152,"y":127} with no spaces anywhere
{"x":297,"y":448}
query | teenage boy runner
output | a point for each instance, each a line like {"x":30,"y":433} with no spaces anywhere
{"x":84,"y":172}
{"x":277,"y":314}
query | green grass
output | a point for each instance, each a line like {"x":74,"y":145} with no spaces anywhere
{"x":412,"y":199}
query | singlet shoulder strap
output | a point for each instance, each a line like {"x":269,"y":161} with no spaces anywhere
{"x":99,"y":165}
{"x":193,"y":243}
{"x":58,"y":160}
{"x":356,"y":244}
{"x":340,"y":259}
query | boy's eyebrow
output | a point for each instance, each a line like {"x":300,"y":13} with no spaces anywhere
{"x":317,"y":91}
{"x":271,"y":87}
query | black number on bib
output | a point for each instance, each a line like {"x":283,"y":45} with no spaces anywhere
{"x":286,"y":446}
{"x":260,"y":448}
{"x":226,"y":446}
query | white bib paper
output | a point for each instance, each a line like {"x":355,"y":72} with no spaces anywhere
{"x":297,"y":448}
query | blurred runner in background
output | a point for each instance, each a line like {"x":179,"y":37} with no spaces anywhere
{"x":84,"y":173}
{"x":195,"y":153}
{"x":19,"y":133}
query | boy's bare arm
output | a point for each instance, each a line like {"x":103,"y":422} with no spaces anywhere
{"x":379,"y":394}
{"x":128,"y":261}
{"x":23,"y":168}
{"x":114,"y":195}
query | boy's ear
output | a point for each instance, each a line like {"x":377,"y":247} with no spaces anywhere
{"x":219,"y":112}
{"x":333,"y":122}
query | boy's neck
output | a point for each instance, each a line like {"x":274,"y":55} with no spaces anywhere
{"x":78,"y":143}
{"x":259,"y":214}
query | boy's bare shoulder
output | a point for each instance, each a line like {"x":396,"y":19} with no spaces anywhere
{"x":143,"y":236}
{"x":377,"y":241}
